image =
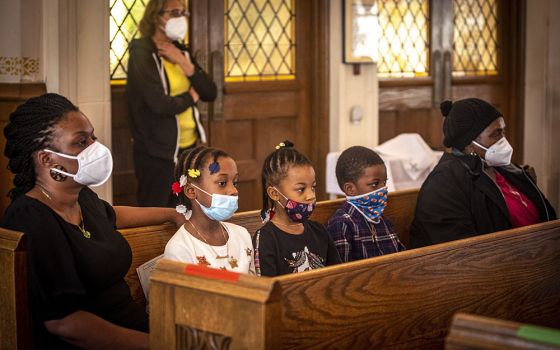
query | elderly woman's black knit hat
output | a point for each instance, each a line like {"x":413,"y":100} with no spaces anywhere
{"x":465,"y":120}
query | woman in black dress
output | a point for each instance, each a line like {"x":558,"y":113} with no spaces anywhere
{"x":76,"y":259}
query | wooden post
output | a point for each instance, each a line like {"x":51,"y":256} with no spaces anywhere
{"x":15,"y":322}
{"x":198,"y":307}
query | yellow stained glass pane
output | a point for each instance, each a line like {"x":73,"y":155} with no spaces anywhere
{"x":259,"y":40}
{"x":124,"y":17}
{"x":403,"y":42}
{"x":475,"y":37}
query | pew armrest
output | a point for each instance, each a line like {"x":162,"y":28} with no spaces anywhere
{"x":198,"y":306}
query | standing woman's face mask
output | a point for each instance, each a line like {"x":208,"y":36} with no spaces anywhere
{"x":174,"y":18}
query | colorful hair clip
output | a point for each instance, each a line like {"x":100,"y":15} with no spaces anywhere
{"x":193,"y":173}
{"x":176,"y":188}
{"x":182,"y":209}
{"x":214,"y":168}
{"x":183,"y":180}
{"x":280,"y":145}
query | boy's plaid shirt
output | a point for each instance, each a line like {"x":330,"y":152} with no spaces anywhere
{"x":357,"y":238}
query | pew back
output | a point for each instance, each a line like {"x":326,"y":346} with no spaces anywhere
{"x":399,"y":301}
{"x":148,"y":242}
{"x":471,"y":332}
{"x":15,"y":321}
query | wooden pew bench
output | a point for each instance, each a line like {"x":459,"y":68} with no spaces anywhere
{"x":471,"y":332}
{"x":148,"y":242}
{"x":15,"y":321}
{"x":399,"y":301}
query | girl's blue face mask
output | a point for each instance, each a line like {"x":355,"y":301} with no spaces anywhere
{"x":371,"y":204}
{"x":222,"y":207}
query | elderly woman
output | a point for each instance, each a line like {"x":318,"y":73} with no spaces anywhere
{"x":76,"y":259}
{"x":475,"y":189}
{"x":164,"y":84}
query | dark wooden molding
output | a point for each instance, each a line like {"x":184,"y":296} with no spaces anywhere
{"x":517,"y":73}
{"x":15,"y":92}
{"x":320,"y":91}
{"x":399,"y":82}
{"x":262,"y":86}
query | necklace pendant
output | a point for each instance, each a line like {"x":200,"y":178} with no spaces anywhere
{"x":86,"y":234}
{"x":221,"y":256}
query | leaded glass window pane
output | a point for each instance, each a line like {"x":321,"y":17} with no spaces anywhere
{"x":125,"y":15}
{"x":475,"y":37}
{"x":403,"y":42}
{"x":259,"y":40}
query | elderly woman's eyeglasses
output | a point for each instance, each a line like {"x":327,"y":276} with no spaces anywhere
{"x":176,"y":13}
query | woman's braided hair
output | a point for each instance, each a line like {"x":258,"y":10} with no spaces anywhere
{"x":195,"y":159}
{"x":30,"y":129}
{"x":275,"y":168}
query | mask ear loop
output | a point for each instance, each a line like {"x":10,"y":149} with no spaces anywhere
{"x":280,"y":193}
{"x":479,"y":145}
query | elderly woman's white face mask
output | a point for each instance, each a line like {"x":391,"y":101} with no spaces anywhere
{"x":499,"y":154}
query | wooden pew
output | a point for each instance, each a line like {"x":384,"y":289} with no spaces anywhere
{"x":15,"y":321}
{"x":398,"y":301}
{"x":471,"y":332}
{"x":148,"y":242}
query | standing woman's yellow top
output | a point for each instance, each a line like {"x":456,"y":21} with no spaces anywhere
{"x":179,"y":83}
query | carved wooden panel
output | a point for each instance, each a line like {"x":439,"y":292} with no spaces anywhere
{"x":190,"y":338}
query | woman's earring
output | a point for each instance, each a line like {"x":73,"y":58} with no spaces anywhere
{"x":56,"y":176}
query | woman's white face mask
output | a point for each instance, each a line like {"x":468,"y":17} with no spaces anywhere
{"x":499,"y":154}
{"x":95,"y":164}
{"x":176,"y":28}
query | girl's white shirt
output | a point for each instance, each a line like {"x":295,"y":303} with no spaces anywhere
{"x":184,"y":247}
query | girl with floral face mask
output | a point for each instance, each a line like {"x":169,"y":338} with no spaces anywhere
{"x":289,"y":242}
{"x":207,"y":188}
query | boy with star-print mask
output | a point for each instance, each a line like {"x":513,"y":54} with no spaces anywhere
{"x":358,"y":228}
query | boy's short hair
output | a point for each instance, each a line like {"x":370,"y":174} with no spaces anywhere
{"x":352,"y":163}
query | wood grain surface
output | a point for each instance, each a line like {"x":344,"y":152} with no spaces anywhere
{"x":146,"y":243}
{"x":473,"y":332}
{"x":407,"y":300}
{"x":15,"y":320}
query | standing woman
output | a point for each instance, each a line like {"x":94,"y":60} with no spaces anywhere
{"x":76,"y":259}
{"x":475,"y":189}
{"x":164,"y":84}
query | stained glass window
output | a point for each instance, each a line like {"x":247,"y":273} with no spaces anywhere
{"x":259,"y":40}
{"x":125,"y":15}
{"x":403,"y":42}
{"x":475,"y":37}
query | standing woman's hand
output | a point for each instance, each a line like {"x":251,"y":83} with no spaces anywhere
{"x":194,"y":94}
{"x":172,"y":54}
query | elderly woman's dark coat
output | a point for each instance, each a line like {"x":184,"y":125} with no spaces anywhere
{"x":458,"y":200}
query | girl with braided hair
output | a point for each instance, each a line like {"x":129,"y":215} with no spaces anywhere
{"x":289,"y":242}
{"x":76,"y":259}
{"x":207,"y":185}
